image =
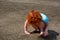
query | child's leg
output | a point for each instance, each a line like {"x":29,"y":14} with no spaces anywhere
{"x":41,"y":28}
{"x":46,"y":30}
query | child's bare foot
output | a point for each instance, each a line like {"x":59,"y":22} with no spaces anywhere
{"x":34,"y":31}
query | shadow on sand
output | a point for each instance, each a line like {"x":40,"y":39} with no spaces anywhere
{"x":52,"y":36}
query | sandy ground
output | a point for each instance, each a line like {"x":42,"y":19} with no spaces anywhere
{"x":12,"y":17}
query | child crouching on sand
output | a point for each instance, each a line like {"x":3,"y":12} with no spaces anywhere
{"x":39,"y":21}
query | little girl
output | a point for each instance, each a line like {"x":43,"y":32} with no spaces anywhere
{"x":39,"y":21}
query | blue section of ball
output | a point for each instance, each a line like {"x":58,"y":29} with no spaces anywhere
{"x":44,"y":18}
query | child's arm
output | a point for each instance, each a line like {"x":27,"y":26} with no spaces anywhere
{"x":26,"y":27}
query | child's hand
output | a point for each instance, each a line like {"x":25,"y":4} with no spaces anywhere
{"x":41,"y":33}
{"x":45,"y":34}
{"x":27,"y":33}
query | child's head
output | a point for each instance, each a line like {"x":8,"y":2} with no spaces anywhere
{"x":34,"y":17}
{"x":34,"y":14}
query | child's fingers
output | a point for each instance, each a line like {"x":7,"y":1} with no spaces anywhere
{"x":41,"y":33}
{"x":27,"y":33}
{"x":45,"y":34}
